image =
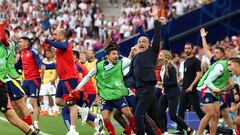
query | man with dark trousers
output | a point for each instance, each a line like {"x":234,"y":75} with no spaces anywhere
{"x":192,"y":74}
{"x":143,"y":71}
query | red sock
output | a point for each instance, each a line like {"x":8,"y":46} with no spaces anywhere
{"x":127,"y":130}
{"x":110,"y":128}
{"x":28,"y":120}
{"x":132,"y":124}
{"x":238,"y":129}
{"x":159,"y":131}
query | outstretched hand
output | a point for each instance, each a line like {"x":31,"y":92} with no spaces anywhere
{"x":203,"y":32}
{"x":154,"y":12}
{"x":74,"y":94}
{"x":71,"y":97}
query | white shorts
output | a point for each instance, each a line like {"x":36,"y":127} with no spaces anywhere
{"x":47,"y":89}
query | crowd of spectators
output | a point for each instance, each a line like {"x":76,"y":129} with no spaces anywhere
{"x":231,"y":46}
{"x":86,"y":24}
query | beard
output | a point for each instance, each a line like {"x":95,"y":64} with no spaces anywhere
{"x":188,"y":53}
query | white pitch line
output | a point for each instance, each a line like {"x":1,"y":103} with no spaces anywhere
{"x":43,"y":133}
{"x":5,"y":120}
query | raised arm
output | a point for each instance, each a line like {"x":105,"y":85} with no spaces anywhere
{"x":3,"y":36}
{"x":140,"y":30}
{"x":156,"y":39}
{"x":59,"y":45}
{"x":206,"y":48}
{"x":165,"y":37}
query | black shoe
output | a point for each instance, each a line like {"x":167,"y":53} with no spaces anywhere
{"x":179,"y":132}
{"x":190,"y":132}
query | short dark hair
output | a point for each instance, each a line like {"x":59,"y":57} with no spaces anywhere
{"x":7,"y":32}
{"x":111,"y":47}
{"x":220,"y":48}
{"x":235,"y":60}
{"x":26,"y":39}
{"x":189,"y":43}
{"x":76,"y":53}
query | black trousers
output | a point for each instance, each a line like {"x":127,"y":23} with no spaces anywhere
{"x":146,"y":104}
{"x":171,"y":103}
{"x":193,"y":99}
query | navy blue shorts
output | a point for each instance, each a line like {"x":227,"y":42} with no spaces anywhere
{"x":209,"y":98}
{"x":117,"y":103}
{"x":91,"y":98}
{"x":15,"y":91}
{"x":62,"y":88}
{"x":225,"y":101}
{"x":32,"y":87}
{"x":131,"y":100}
{"x":5,"y":103}
{"x":83,"y":103}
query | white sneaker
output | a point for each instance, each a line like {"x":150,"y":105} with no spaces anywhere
{"x":99,"y":126}
{"x":165,"y":133}
{"x":83,"y":113}
{"x":72,"y":133}
{"x":99,"y":133}
{"x":50,"y":113}
{"x":34,"y":129}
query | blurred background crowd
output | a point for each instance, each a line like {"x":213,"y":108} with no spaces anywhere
{"x":84,"y":19}
{"x":87,"y":26}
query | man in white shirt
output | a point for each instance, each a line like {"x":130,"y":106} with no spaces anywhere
{"x":81,"y":31}
{"x":112,"y":26}
{"x":179,"y":7}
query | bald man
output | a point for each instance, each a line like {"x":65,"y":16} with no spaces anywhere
{"x":143,"y":71}
{"x":68,"y":74}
